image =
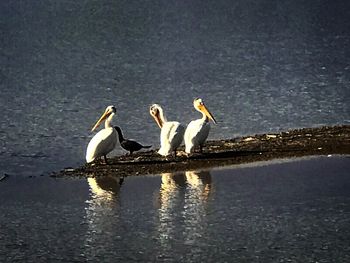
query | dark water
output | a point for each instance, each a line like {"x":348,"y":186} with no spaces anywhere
{"x":295,"y":211}
{"x":259,"y":65}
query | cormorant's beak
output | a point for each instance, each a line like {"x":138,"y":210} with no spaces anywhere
{"x":104,"y":116}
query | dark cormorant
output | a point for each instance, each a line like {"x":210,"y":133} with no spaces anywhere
{"x":129,"y":145}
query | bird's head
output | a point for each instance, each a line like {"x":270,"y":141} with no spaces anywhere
{"x":200,"y":106}
{"x":156,"y":112}
{"x":110,"y":110}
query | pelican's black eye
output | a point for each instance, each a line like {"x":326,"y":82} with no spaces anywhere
{"x":114,"y":109}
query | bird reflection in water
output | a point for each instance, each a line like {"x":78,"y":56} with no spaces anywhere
{"x":104,"y":188}
{"x":101,"y":213}
{"x":183,"y":203}
{"x":200,"y":183}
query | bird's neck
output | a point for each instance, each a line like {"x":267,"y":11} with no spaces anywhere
{"x":120,"y":135}
{"x":108,"y":122}
{"x":205,"y":118}
{"x":161,"y":119}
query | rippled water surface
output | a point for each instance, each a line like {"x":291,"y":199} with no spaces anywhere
{"x":259,"y":66}
{"x":295,"y":211}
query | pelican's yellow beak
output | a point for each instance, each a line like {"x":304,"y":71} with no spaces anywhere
{"x":157,"y":119}
{"x":104,"y":116}
{"x":207,"y":113}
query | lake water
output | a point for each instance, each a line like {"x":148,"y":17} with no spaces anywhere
{"x":260,"y":66}
{"x":280,"y":211}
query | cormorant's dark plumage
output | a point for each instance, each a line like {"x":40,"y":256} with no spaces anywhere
{"x":129,"y":145}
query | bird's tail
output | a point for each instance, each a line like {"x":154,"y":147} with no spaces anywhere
{"x":147,"y":146}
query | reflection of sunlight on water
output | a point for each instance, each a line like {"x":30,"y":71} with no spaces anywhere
{"x":101,"y":216}
{"x":198,"y":190}
{"x":200,"y":183}
{"x":97,"y":193}
{"x":170,"y":201}
{"x":169,"y":188}
{"x":183,"y":198}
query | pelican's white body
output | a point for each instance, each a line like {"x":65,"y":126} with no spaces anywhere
{"x":196,"y":134}
{"x":105,"y":140}
{"x":101,"y":144}
{"x":197,"y":131}
{"x":171,"y":134}
{"x":171,"y":137}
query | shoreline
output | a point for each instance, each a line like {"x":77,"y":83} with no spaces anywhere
{"x":260,"y":147}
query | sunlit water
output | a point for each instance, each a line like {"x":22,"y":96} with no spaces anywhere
{"x":259,"y":66}
{"x":295,"y":211}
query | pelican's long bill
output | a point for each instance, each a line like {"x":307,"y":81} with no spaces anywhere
{"x":207,"y":113}
{"x":104,"y":116}
{"x":158,"y":121}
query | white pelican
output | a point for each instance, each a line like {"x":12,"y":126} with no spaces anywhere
{"x":172,"y":132}
{"x":197,"y":131}
{"x":105,"y":140}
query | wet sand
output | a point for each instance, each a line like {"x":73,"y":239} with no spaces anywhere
{"x":260,"y":147}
